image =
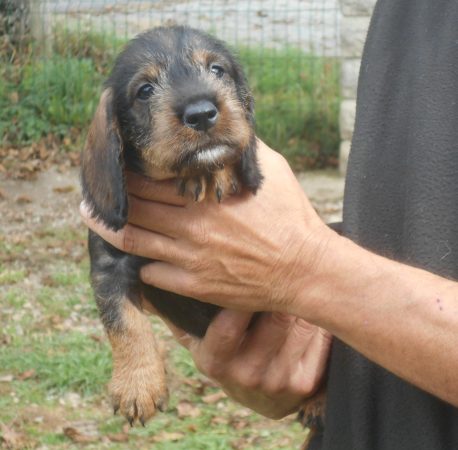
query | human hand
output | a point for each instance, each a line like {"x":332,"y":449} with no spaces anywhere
{"x":251,"y":252}
{"x":271,"y":367}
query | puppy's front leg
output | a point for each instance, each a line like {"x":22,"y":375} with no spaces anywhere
{"x":138,"y":385}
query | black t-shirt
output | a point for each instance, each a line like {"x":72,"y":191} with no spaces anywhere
{"x":401,"y":201}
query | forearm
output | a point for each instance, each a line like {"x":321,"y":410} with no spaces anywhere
{"x":266,"y":253}
{"x":403,"y":318}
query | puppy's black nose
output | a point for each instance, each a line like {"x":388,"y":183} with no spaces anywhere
{"x":200,"y":115}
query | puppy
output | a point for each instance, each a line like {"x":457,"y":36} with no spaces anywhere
{"x":176,"y":105}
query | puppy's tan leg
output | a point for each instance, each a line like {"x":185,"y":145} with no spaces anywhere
{"x":138,"y":386}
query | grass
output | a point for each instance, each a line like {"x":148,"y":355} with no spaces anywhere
{"x":297,"y":95}
{"x":11,"y":276}
{"x":61,"y":362}
{"x":55,"y":364}
{"x":297,"y":103}
{"x":54,"y":94}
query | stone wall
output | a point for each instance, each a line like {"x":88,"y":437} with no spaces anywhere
{"x":355,"y":22}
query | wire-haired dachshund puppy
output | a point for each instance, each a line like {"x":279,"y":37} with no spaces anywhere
{"x":176,"y":105}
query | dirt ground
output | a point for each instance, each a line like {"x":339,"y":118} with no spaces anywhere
{"x":53,"y":199}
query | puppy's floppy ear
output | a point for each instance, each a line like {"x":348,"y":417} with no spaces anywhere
{"x":102,"y":167}
{"x":248,"y":167}
{"x":243,"y":90}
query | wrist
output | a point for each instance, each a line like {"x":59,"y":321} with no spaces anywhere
{"x":340,"y":271}
{"x":308,"y":279}
{"x":400,"y":317}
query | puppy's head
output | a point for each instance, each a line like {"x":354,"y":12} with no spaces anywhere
{"x":177,"y":104}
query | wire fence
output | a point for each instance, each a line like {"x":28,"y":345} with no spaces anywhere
{"x":311,"y":25}
{"x":63,"y":49}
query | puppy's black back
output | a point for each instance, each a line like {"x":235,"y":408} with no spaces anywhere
{"x":186,"y":313}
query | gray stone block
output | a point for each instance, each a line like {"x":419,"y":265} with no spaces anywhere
{"x":349,"y":77}
{"x":357,"y":7}
{"x":353,"y":36}
{"x":347,"y":119}
{"x":344,"y":153}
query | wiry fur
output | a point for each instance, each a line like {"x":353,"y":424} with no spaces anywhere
{"x":150,"y":136}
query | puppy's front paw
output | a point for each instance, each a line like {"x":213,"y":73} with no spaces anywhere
{"x":195,"y":187}
{"x":139,"y":391}
{"x":224,"y":183}
{"x":216,"y":185}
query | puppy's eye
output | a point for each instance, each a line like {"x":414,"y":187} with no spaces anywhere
{"x":145,"y":91}
{"x":217,"y":70}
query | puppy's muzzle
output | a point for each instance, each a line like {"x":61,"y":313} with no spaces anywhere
{"x":200,"y":115}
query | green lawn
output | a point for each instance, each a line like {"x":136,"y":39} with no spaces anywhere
{"x":55,"y":364}
{"x":297,"y":96}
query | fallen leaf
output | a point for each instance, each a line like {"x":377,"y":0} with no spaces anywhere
{"x":14,"y":97}
{"x":78,"y":437}
{"x":192,"y":382}
{"x":74,"y":400}
{"x":11,"y":438}
{"x":187,"y":409}
{"x":22,"y":199}
{"x":200,"y":384}
{"x":64,"y":189}
{"x":82,"y":432}
{"x":75,"y":158}
{"x":238,"y":424}
{"x":55,"y":320}
{"x":243,"y":412}
{"x":25,"y":154}
{"x":18,"y":239}
{"x":5,"y":339}
{"x":96,"y":337}
{"x":48,"y":280}
{"x":217,"y":420}
{"x":214,"y":398}
{"x":43,"y":153}
{"x":118,"y":437}
{"x":284,"y":442}
{"x":240,"y":444}
{"x":164,"y":436}
{"x":26,"y":375}
{"x":2,"y":193}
